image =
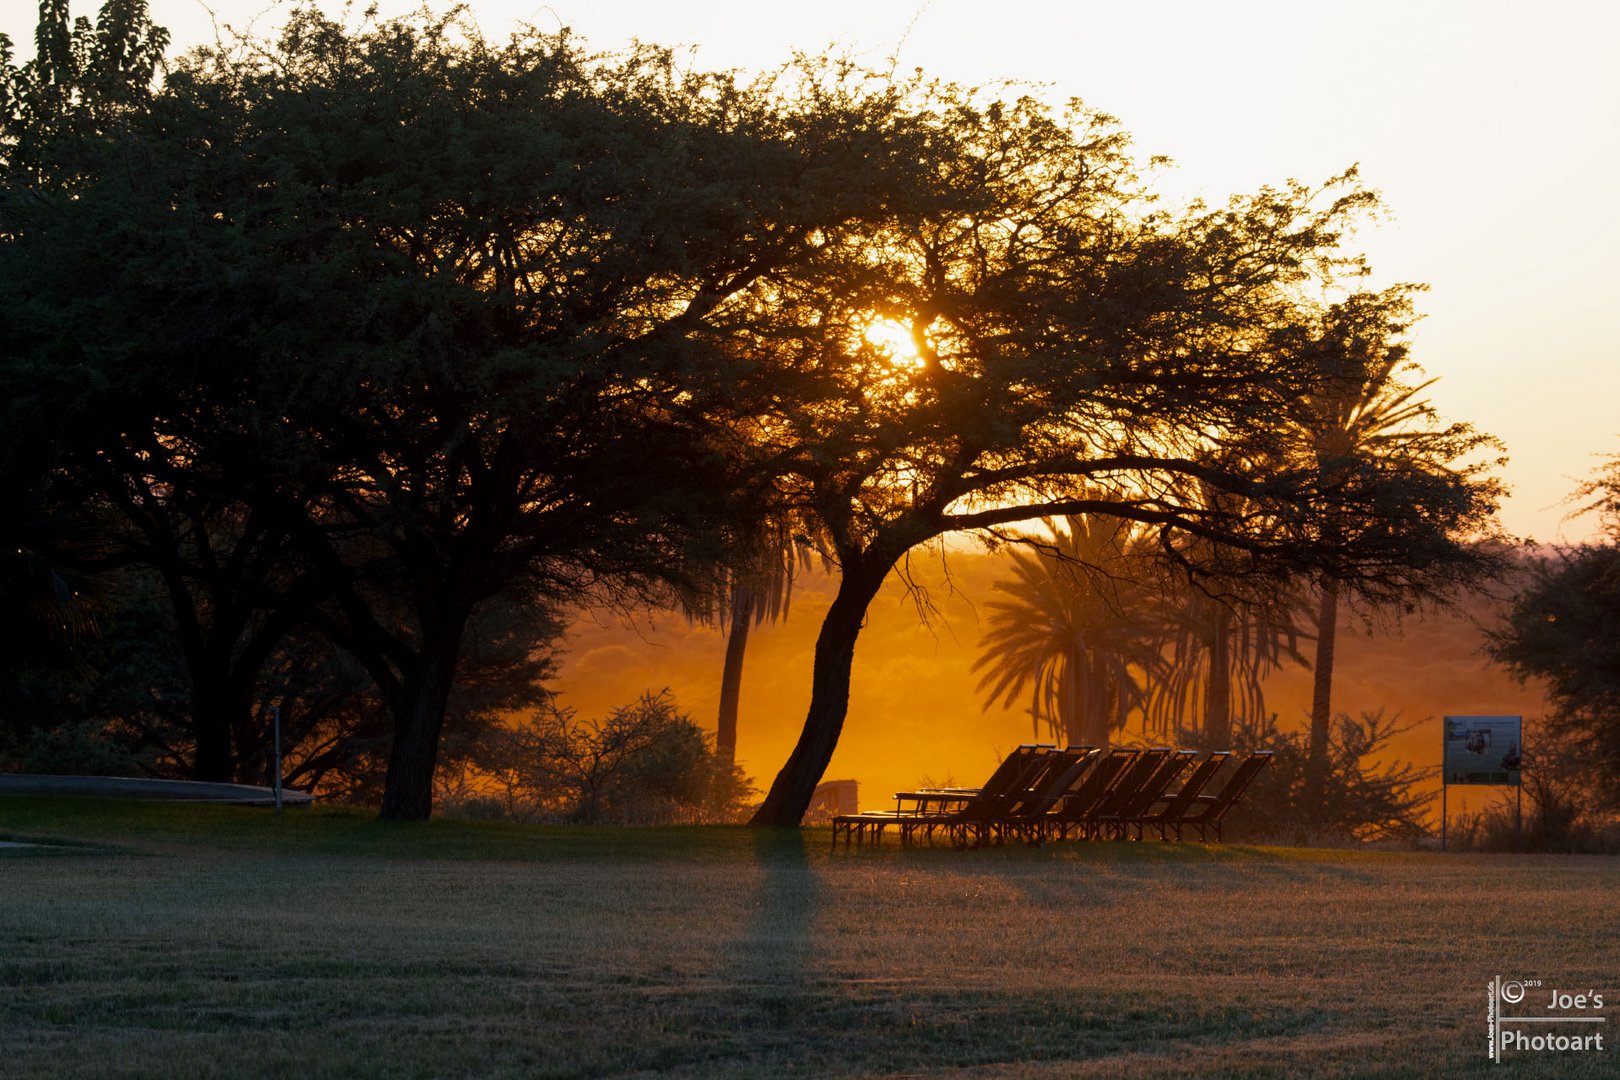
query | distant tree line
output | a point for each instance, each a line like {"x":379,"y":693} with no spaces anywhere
{"x":353,"y":358}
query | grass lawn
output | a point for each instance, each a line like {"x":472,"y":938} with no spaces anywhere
{"x":195,"y":941}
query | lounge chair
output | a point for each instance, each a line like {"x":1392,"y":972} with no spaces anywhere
{"x":930,"y":808}
{"x":1173,"y":806}
{"x":1128,"y":809}
{"x":1207,"y":811}
{"x":1073,"y":810}
{"x":1130,"y":782}
{"x":1025,"y":817}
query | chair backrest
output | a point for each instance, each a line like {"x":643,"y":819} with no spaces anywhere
{"x":1142,"y":769}
{"x":1064,"y":772}
{"x":1247,"y":770}
{"x":1096,"y":784}
{"x":1197,"y":781}
{"x":1008,"y":783}
{"x":1012,"y":766}
{"x":1154,"y":787}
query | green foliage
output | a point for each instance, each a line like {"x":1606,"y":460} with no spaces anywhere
{"x":443,"y":380}
{"x":84,"y":748}
{"x":84,"y":79}
{"x":644,"y":763}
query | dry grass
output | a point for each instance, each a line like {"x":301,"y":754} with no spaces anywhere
{"x":222,"y":943}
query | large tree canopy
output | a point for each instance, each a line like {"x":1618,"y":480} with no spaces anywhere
{"x":1078,"y":351}
{"x":446,"y":321}
{"x":428,"y":305}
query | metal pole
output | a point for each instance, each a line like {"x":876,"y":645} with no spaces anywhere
{"x":1518,"y":797}
{"x":1518,"y":818}
{"x":275,"y":719}
{"x":1442,"y":811}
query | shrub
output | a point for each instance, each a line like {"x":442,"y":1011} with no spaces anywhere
{"x":81,"y":748}
{"x":644,"y":763}
{"x":1363,"y":797}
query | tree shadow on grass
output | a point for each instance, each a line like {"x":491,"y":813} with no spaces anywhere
{"x":774,"y":951}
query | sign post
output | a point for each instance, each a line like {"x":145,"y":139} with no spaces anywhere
{"x":275,"y":719}
{"x":1480,"y":750}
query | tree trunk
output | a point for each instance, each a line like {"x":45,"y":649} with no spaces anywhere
{"x":419,"y":720}
{"x":1074,"y":719}
{"x":1327,"y":629}
{"x":790,"y":793}
{"x":1102,"y":714}
{"x":725,"y":730}
{"x":1218,"y":689}
{"x":213,"y":719}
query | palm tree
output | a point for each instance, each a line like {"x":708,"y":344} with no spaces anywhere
{"x":1075,"y":630}
{"x":754,"y":590}
{"x":1225,"y":636}
{"x":1362,"y":414}
{"x":1220,"y":651}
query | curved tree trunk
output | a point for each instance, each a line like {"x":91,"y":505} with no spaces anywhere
{"x":725,"y":729}
{"x":790,"y":793}
{"x":1327,"y":629}
{"x":418,"y":721}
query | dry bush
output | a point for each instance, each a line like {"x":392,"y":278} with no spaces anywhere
{"x":645,"y":763}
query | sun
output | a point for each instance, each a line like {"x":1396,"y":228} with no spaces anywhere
{"x":893,"y":339}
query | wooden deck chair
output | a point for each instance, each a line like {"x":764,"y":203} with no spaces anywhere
{"x":928,"y":802}
{"x":1117,"y":825}
{"x":1173,"y":808}
{"x":1130,"y":782}
{"x":1208,"y":811}
{"x":1023,"y":819}
{"x":929,"y":808}
{"x":975,"y":823}
{"x":1072,"y":811}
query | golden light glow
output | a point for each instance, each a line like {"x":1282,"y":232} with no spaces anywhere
{"x":893,"y":339}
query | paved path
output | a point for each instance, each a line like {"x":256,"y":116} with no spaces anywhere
{"x":123,"y":787}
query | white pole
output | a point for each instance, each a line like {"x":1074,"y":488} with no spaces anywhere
{"x":275,"y":719}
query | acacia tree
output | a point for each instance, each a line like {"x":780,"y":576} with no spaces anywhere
{"x":1080,"y":353}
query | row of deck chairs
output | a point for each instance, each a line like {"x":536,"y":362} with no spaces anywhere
{"x":1041,"y":793}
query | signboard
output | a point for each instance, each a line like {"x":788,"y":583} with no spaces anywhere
{"x":1482,"y":750}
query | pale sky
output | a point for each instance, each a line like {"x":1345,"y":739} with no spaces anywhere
{"x":1491,"y":128}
